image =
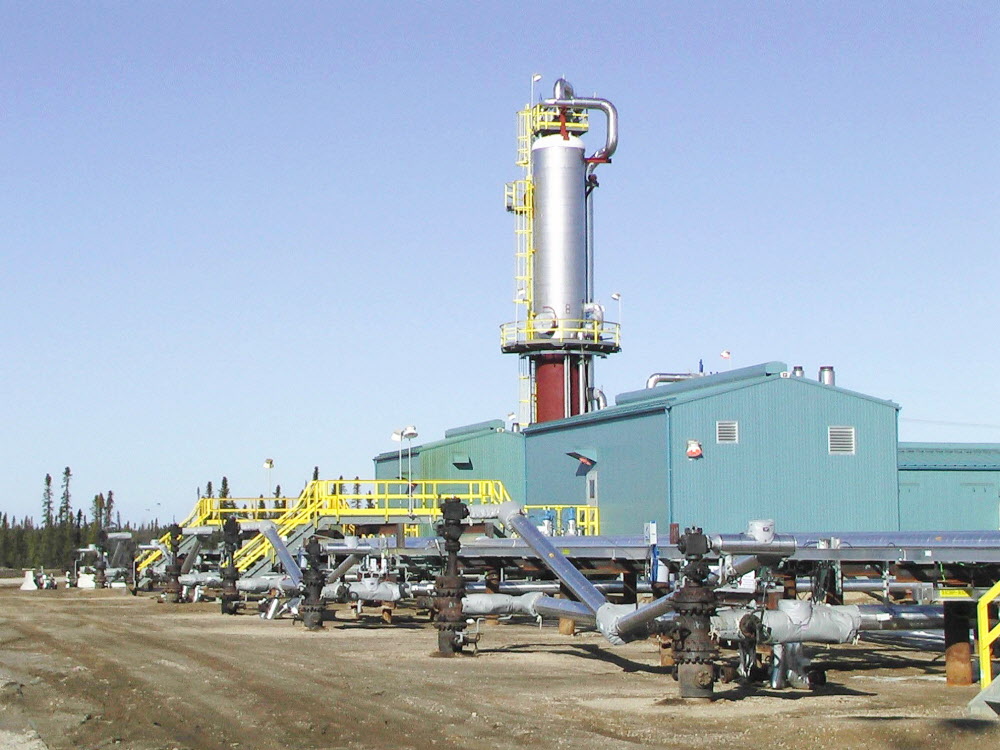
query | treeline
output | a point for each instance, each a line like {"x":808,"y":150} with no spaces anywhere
{"x":61,"y":531}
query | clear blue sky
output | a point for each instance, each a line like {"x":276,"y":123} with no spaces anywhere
{"x":234,"y":231}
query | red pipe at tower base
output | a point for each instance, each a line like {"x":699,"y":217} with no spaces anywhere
{"x":551,"y":373}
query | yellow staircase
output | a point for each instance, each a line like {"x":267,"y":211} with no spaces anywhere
{"x":354,"y":503}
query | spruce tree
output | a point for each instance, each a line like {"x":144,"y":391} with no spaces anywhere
{"x":64,"y":538}
{"x":97,"y":509}
{"x":224,"y":501}
{"x":4,"y":542}
{"x":48,"y":531}
{"x":109,"y":505}
{"x":65,"y":511}
{"x":47,"y":501}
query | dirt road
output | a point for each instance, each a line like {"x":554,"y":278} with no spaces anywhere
{"x":97,"y":669}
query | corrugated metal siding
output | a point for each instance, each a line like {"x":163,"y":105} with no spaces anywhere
{"x":387,"y":465}
{"x":492,"y":455}
{"x":949,"y":500}
{"x":925,"y":456}
{"x":629,"y":450}
{"x":781,"y":468}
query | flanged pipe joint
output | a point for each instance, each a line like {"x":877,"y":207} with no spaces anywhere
{"x":313,"y":580}
{"x":229,"y":600}
{"x":172,"y":589}
{"x":694,"y":651}
{"x":450,"y":587}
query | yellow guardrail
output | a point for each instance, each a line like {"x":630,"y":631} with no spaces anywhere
{"x":352,"y":502}
{"x":587,"y":518}
{"x":541,"y":330}
{"x":148,"y":557}
{"x":986,"y":636}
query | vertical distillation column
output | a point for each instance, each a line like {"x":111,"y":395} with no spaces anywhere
{"x":560,"y":273}
{"x":564,"y":330}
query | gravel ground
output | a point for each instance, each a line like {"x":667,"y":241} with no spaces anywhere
{"x":96,"y":669}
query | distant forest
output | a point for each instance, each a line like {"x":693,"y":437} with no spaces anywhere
{"x":52,"y":542}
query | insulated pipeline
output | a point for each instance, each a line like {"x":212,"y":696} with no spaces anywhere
{"x":511,"y":516}
{"x":270,"y":531}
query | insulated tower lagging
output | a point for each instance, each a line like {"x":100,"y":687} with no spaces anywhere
{"x":559,"y":328}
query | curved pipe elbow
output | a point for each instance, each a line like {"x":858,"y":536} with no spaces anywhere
{"x":563,"y":89}
{"x":611,"y":142}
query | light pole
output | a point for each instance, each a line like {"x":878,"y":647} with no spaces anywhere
{"x":534,"y":79}
{"x":268,"y":464}
{"x":409,"y":433}
{"x":397,"y":437}
{"x":617,"y":297}
{"x":406,"y":433}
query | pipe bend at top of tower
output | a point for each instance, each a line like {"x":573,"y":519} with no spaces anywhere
{"x":563,"y":96}
{"x":563,"y":89}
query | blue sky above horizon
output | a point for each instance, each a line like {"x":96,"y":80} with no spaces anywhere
{"x":234,"y":232}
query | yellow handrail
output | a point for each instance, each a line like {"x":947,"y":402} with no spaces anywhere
{"x":388,"y":501}
{"x":587,"y":517}
{"x":194,"y":518}
{"x":348,"y":502}
{"x":601,"y":332}
{"x":986,"y":636}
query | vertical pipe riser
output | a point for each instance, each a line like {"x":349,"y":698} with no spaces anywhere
{"x":450,"y":587}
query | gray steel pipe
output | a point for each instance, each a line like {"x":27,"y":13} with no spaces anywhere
{"x":345,"y":566}
{"x":973,"y":539}
{"x":263,"y":584}
{"x":516,"y":588}
{"x":563,"y":89}
{"x":534,"y":604}
{"x":669,"y":377}
{"x":270,"y":531}
{"x":796,"y":621}
{"x":611,"y":141}
{"x":782,"y":545}
{"x":901,"y":616}
{"x":597,"y":398}
{"x":511,"y":515}
{"x":862,"y":585}
{"x":635,"y":623}
{"x":735,"y":569}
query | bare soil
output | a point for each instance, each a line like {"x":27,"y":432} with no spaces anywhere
{"x":97,"y":669}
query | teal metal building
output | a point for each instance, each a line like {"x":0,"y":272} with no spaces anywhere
{"x":949,"y":486}
{"x":485,"y":450}
{"x":720,"y":450}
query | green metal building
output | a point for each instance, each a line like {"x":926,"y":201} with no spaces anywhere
{"x":949,"y":486}
{"x":720,"y":450}
{"x":485,"y":450}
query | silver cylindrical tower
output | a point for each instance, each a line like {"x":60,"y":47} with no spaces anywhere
{"x":560,"y":236}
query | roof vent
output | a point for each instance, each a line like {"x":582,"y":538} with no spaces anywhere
{"x":826,"y":376}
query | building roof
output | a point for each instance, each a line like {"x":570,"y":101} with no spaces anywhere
{"x":451,"y":437}
{"x":667,"y":396}
{"x":949,"y":456}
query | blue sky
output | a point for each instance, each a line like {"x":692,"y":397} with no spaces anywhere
{"x":240,"y":231}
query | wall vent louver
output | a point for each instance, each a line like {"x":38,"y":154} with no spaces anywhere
{"x":727,"y":432}
{"x":840,"y":441}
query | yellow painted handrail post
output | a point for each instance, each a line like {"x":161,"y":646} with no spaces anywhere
{"x":986,"y":636}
